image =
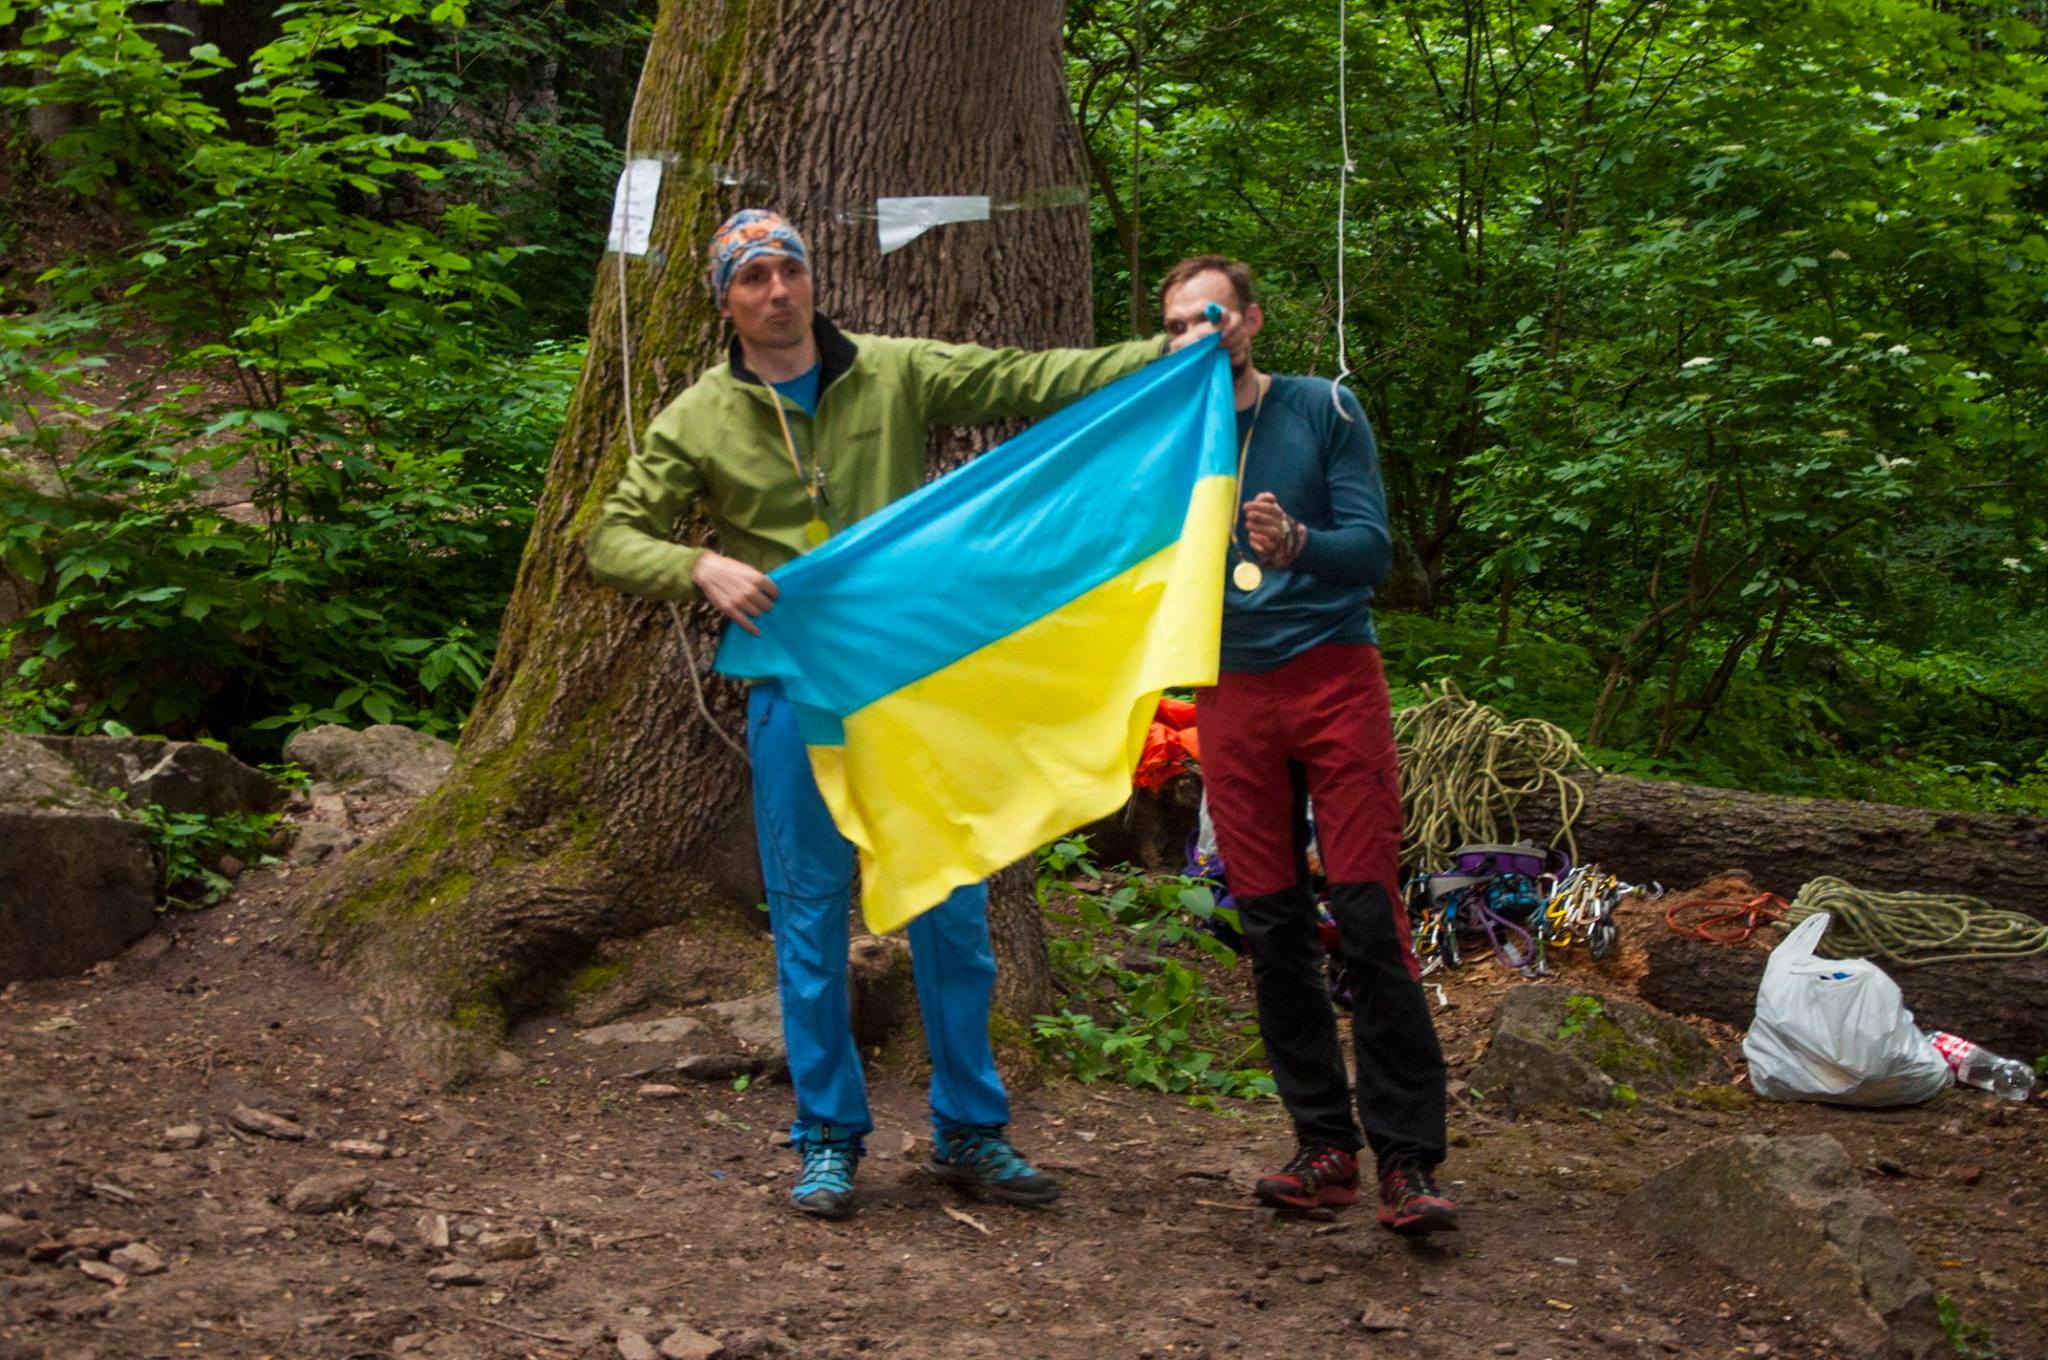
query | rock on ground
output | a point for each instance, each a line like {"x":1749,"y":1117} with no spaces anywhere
{"x":1552,"y":1046}
{"x":182,"y":776}
{"x":1788,"y":1215}
{"x":672,"y":1029}
{"x":326,"y":1192}
{"x":381,"y":759}
{"x":78,"y":877}
{"x":687,"y":1343}
{"x":755,"y":1021}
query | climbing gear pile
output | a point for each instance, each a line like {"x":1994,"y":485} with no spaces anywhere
{"x":1523,"y":901}
{"x":1466,"y":772}
{"x":1912,"y":928}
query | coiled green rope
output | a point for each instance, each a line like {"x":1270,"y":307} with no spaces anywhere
{"x":1465,"y":769}
{"x":1912,"y":928}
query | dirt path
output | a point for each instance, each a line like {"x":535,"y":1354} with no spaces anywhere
{"x":646,"y":1215}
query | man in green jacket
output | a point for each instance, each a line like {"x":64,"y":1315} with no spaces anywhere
{"x":804,"y":431}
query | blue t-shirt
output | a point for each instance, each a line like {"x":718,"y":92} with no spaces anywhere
{"x":1326,"y":473}
{"x":803,"y":390}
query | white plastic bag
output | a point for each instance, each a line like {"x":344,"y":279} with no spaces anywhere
{"x":1836,"y":1030}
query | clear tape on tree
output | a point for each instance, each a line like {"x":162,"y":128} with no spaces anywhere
{"x":811,"y":208}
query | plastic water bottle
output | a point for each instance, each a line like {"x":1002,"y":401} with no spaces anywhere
{"x":1979,"y":1067}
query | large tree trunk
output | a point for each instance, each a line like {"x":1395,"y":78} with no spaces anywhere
{"x":1652,"y":830}
{"x":589,"y":800}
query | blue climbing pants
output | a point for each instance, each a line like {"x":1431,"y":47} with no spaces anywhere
{"x":808,"y":868}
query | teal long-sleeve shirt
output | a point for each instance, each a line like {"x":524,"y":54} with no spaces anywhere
{"x":1325,"y":472}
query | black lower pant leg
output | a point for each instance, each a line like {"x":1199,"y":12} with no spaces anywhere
{"x":1295,"y":1016}
{"x":1400,"y":1062}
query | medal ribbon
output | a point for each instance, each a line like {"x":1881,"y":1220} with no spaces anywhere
{"x":1243,"y":451}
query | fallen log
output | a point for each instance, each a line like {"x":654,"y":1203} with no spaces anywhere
{"x":1656,"y":831}
{"x":1651,"y":830}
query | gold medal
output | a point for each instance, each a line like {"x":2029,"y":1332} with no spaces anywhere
{"x":815,"y":532}
{"x":1246,"y":576}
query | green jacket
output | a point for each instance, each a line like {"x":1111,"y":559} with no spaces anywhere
{"x":719,"y":443}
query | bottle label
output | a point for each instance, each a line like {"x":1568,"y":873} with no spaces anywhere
{"x":1954,"y":1050}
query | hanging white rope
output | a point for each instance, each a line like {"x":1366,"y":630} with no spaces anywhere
{"x":633,"y":435}
{"x":1344,"y":172}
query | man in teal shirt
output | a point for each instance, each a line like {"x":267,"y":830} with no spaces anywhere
{"x":1300,"y":696}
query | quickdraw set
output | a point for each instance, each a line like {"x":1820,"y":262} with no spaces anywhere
{"x":1518,"y":902}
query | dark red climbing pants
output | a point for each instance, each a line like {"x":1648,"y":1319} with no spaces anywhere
{"x":1326,"y":713}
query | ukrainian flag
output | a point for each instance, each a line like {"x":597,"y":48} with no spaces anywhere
{"x":975,"y":667}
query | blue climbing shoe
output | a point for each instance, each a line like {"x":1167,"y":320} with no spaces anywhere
{"x":825,"y":1186}
{"x":982,"y":1159}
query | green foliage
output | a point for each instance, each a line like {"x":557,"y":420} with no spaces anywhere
{"x":1139,"y":1009}
{"x":1579,"y":1011}
{"x":192,"y":844}
{"x":1703,"y":341}
{"x":1827,"y":718}
{"x":1971,"y":1341}
{"x":334,"y":330}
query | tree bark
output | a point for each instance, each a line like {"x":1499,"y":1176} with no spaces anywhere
{"x":589,"y":800}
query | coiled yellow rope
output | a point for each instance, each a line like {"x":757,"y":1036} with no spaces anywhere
{"x":1465,"y":769}
{"x":1912,"y":928}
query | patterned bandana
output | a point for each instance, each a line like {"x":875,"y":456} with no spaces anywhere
{"x":747,"y":235}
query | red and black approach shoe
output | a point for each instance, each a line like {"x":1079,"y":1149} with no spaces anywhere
{"x":1411,"y":1203}
{"x":1318,"y":1176}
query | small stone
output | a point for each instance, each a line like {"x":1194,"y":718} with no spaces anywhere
{"x":455,"y":1273}
{"x":508,"y":1246}
{"x":17,"y":1235}
{"x":718,"y":1066}
{"x":381,"y":1239}
{"x":137,"y":1258}
{"x":326,"y":1193}
{"x":361,"y":1149}
{"x":1315,"y":1274}
{"x":655,"y":1090}
{"x":1969,"y":1175}
{"x":687,"y":1343}
{"x":1380,"y":1317}
{"x":506,"y":1063}
{"x":101,"y":1271}
{"x":183,"y":1137}
{"x":230,"y":867}
{"x":633,"y":1346}
{"x":780,"y":1138}
{"x":269,"y":1125}
{"x":1505,"y":1348}
{"x":899,"y":1146}
{"x":93,"y":1242}
{"x":433,"y":1231}
{"x":411,"y":1343}
{"x":1001,"y":1310}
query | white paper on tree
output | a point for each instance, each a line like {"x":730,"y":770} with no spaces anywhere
{"x":899,"y":221}
{"x":633,"y":207}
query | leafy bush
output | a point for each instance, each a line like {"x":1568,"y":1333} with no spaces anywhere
{"x":318,"y":516}
{"x":1139,"y":1009}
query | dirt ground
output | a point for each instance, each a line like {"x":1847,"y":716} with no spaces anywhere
{"x":625,"y":1216}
